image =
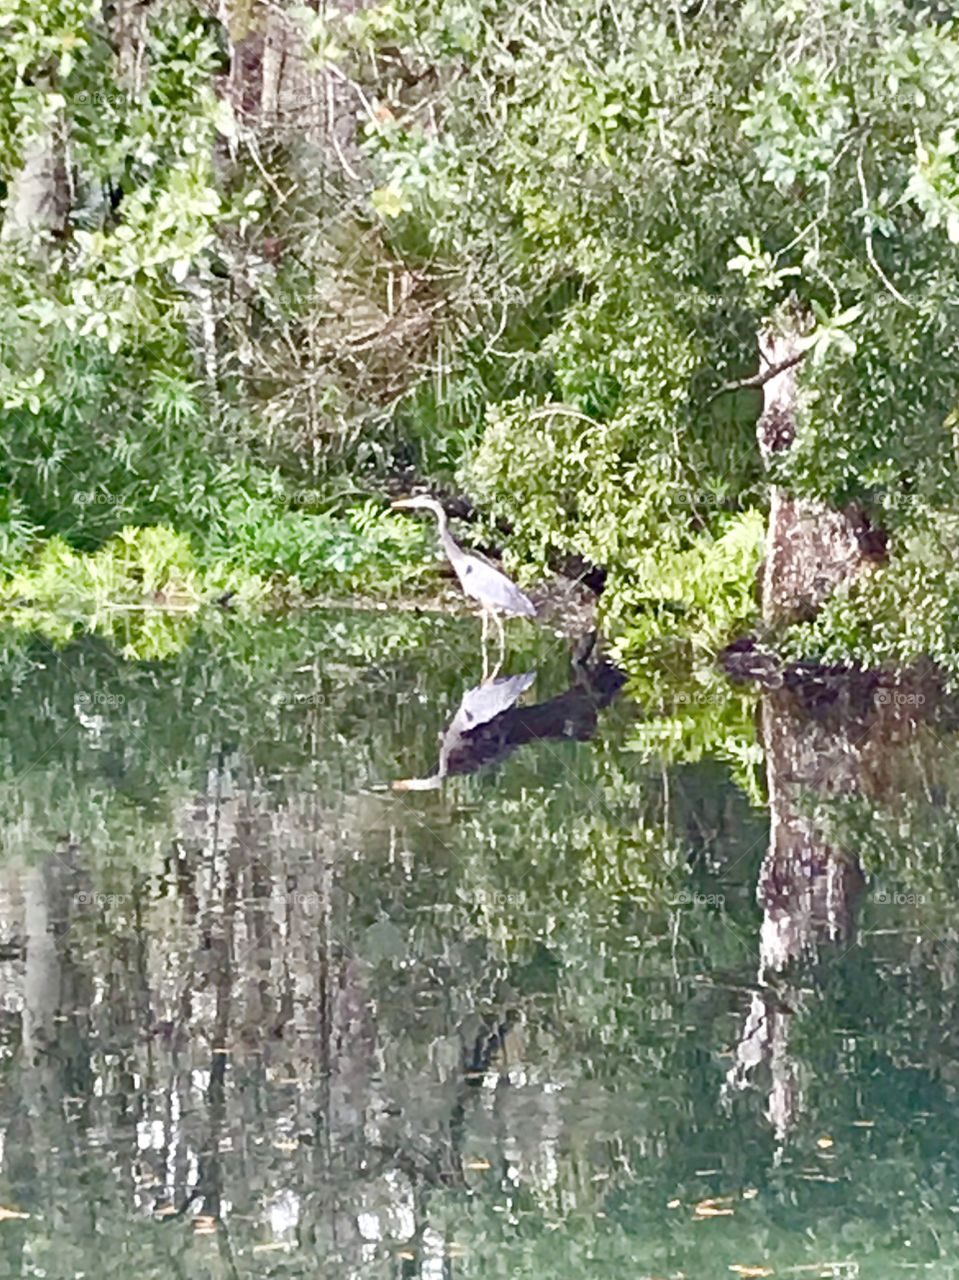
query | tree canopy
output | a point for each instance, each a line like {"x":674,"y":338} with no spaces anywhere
{"x":522,"y":251}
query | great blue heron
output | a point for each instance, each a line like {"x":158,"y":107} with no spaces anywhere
{"x":493,"y":591}
{"x":477,"y":707}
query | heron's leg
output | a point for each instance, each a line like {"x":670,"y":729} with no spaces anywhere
{"x":499,"y":657}
{"x":483,"y":644}
{"x":502,"y":646}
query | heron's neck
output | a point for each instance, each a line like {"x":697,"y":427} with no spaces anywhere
{"x":443,"y":528}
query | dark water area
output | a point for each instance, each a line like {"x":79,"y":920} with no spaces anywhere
{"x":584,"y":1003}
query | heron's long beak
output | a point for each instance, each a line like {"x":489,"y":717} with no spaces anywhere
{"x":401,"y":502}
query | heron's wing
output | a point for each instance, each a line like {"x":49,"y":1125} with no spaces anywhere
{"x":492,"y":588}
{"x":479,"y":705}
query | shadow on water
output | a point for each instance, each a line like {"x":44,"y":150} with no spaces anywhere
{"x":583,"y":1014}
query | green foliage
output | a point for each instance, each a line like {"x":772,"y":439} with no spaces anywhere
{"x":710,"y":586}
{"x":690,"y":716}
{"x":896,"y":615}
{"x":535,"y":253}
{"x":678,"y":609}
{"x":268,"y":554}
{"x":138,"y":564}
{"x":139,"y":589}
{"x":597,"y":470}
{"x":17,"y":534}
{"x":105,"y":422}
{"x":696,"y":172}
{"x":364,"y":551}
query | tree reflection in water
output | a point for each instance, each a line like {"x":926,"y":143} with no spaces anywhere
{"x":261,"y":1020}
{"x":825,"y":734}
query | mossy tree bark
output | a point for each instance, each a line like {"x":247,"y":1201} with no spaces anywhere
{"x":38,"y":197}
{"x":810,"y":547}
{"x":273,"y":84}
{"x":827,"y":736}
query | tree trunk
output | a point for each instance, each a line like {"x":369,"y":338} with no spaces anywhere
{"x":38,"y":198}
{"x":273,"y":85}
{"x":810,"y":547}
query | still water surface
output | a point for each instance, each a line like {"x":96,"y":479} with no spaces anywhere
{"x":588,"y":1008}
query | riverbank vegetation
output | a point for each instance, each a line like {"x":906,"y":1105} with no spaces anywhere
{"x":265,"y":267}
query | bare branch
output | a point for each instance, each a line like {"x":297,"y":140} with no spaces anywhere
{"x":758,"y":379}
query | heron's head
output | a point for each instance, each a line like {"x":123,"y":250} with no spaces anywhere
{"x":432,"y":783}
{"x":418,"y":503}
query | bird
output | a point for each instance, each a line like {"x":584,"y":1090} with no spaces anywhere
{"x":492,"y":590}
{"x":477,"y":707}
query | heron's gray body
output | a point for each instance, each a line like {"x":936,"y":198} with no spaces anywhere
{"x":482,"y":704}
{"x":491,"y":588}
{"x":481,"y":582}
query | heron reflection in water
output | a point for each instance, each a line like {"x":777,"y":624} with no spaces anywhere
{"x":477,"y":707}
{"x":488,"y":724}
{"x":490,"y":588}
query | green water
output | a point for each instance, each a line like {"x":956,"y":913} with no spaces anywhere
{"x":579,"y":1013}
